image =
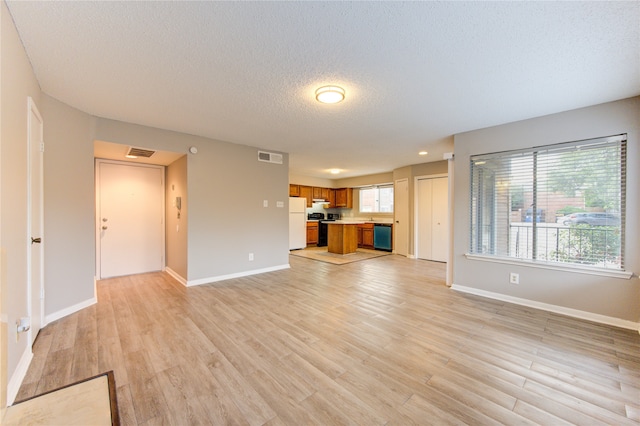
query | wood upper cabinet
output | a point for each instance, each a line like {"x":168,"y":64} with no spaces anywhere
{"x":331,"y":197}
{"x":324,"y":194}
{"x":344,"y":197}
{"x":312,"y":233}
{"x":307,"y":192}
{"x":317,"y":193}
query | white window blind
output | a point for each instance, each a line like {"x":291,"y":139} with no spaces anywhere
{"x":562,"y":203}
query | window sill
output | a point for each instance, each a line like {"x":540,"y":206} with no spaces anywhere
{"x":555,"y":267}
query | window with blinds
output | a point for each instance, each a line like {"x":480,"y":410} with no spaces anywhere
{"x":562,"y":203}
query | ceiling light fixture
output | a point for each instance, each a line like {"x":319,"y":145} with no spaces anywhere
{"x":334,"y":171}
{"x":423,"y":153}
{"x":330,"y":94}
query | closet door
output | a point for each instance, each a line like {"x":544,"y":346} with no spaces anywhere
{"x":432,"y":223}
{"x":425,"y":218}
{"x":439,"y":220}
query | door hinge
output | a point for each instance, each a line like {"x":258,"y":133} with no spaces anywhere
{"x":41,"y":146}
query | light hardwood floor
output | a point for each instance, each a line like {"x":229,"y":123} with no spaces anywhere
{"x":382,"y":341}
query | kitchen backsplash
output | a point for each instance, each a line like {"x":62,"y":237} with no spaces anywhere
{"x":348,"y":213}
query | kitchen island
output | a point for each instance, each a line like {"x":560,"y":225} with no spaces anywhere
{"x":342,"y":237}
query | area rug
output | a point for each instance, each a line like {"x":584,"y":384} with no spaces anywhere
{"x":321,"y":254}
{"x":89,"y":402}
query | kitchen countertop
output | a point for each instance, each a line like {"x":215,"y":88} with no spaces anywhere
{"x":353,"y":222}
{"x":361,"y":222}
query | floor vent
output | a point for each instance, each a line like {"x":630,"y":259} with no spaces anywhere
{"x":140,"y":152}
{"x":269,"y":157}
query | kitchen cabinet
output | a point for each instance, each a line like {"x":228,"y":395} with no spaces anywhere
{"x":324,"y":194}
{"x":344,"y":198}
{"x":312,"y":233}
{"x":307,"y":192}
{"x":317,"y":193}
{"x":342,"y":238}
{"x":331,"y":197}
{"x":365,"y":235}
{"x":337,"y":198}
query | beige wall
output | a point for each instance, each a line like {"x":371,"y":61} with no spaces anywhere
{"x":611,"y":297}
{"x":226,"y":189}
{"x":375,"y":179}
{"x":17,"y":82}
{"x":311,"y":181}
{"x":177,"y":227}
{"x":69,"y":227}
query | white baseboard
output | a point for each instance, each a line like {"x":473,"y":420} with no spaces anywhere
{"x":68,"y":311}
{"x":576,"y":313}
{"x":176,"y":276}
{"x":18,"y":375}
{"x":236,"y":275}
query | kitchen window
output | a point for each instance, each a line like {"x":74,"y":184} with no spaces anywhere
{"x":560,"y":204}
{"x":376,"y":199}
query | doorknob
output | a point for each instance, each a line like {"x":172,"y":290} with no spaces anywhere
{"x":36,"y":240}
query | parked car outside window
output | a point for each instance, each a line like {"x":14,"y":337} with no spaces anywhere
{"x":593,"y":219}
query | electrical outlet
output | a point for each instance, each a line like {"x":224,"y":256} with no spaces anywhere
{"x":250,"y":256}
{"x":265,"y":203}
{"x":514,"y":278}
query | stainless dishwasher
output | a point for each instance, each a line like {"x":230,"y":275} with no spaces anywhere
{"x":382,"y":236}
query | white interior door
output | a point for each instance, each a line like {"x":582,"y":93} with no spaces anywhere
{"x":401,"y":213}
{"x":440,"y":220}
{"x":130,"y":218}
{"x":432,"y":219}
{"x":35,"y":255}
{"x":424,"y":218}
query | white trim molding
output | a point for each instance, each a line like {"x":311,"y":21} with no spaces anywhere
{"x":201,"y":281}
{"x":176,"y":276}
{"x":13,"y":386}
{"x":70,"y":310}
{"x":566,"y":267}
{"x":575,"y":313}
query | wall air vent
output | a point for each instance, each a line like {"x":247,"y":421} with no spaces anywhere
{"x":140,"y":152}
{"x":269,"y":157}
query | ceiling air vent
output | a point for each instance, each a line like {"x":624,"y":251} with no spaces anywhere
{"x":140,"y":152}
{"x":269,"y":157}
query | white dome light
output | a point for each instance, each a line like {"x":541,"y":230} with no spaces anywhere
{"x":330,"y":94}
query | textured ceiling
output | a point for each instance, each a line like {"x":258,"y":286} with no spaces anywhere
{"x":415,"y":73}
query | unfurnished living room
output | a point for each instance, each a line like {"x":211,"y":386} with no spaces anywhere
{"x":296,"y":213}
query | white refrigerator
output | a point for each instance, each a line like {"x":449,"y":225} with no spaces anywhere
{"x":297,"y":223}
